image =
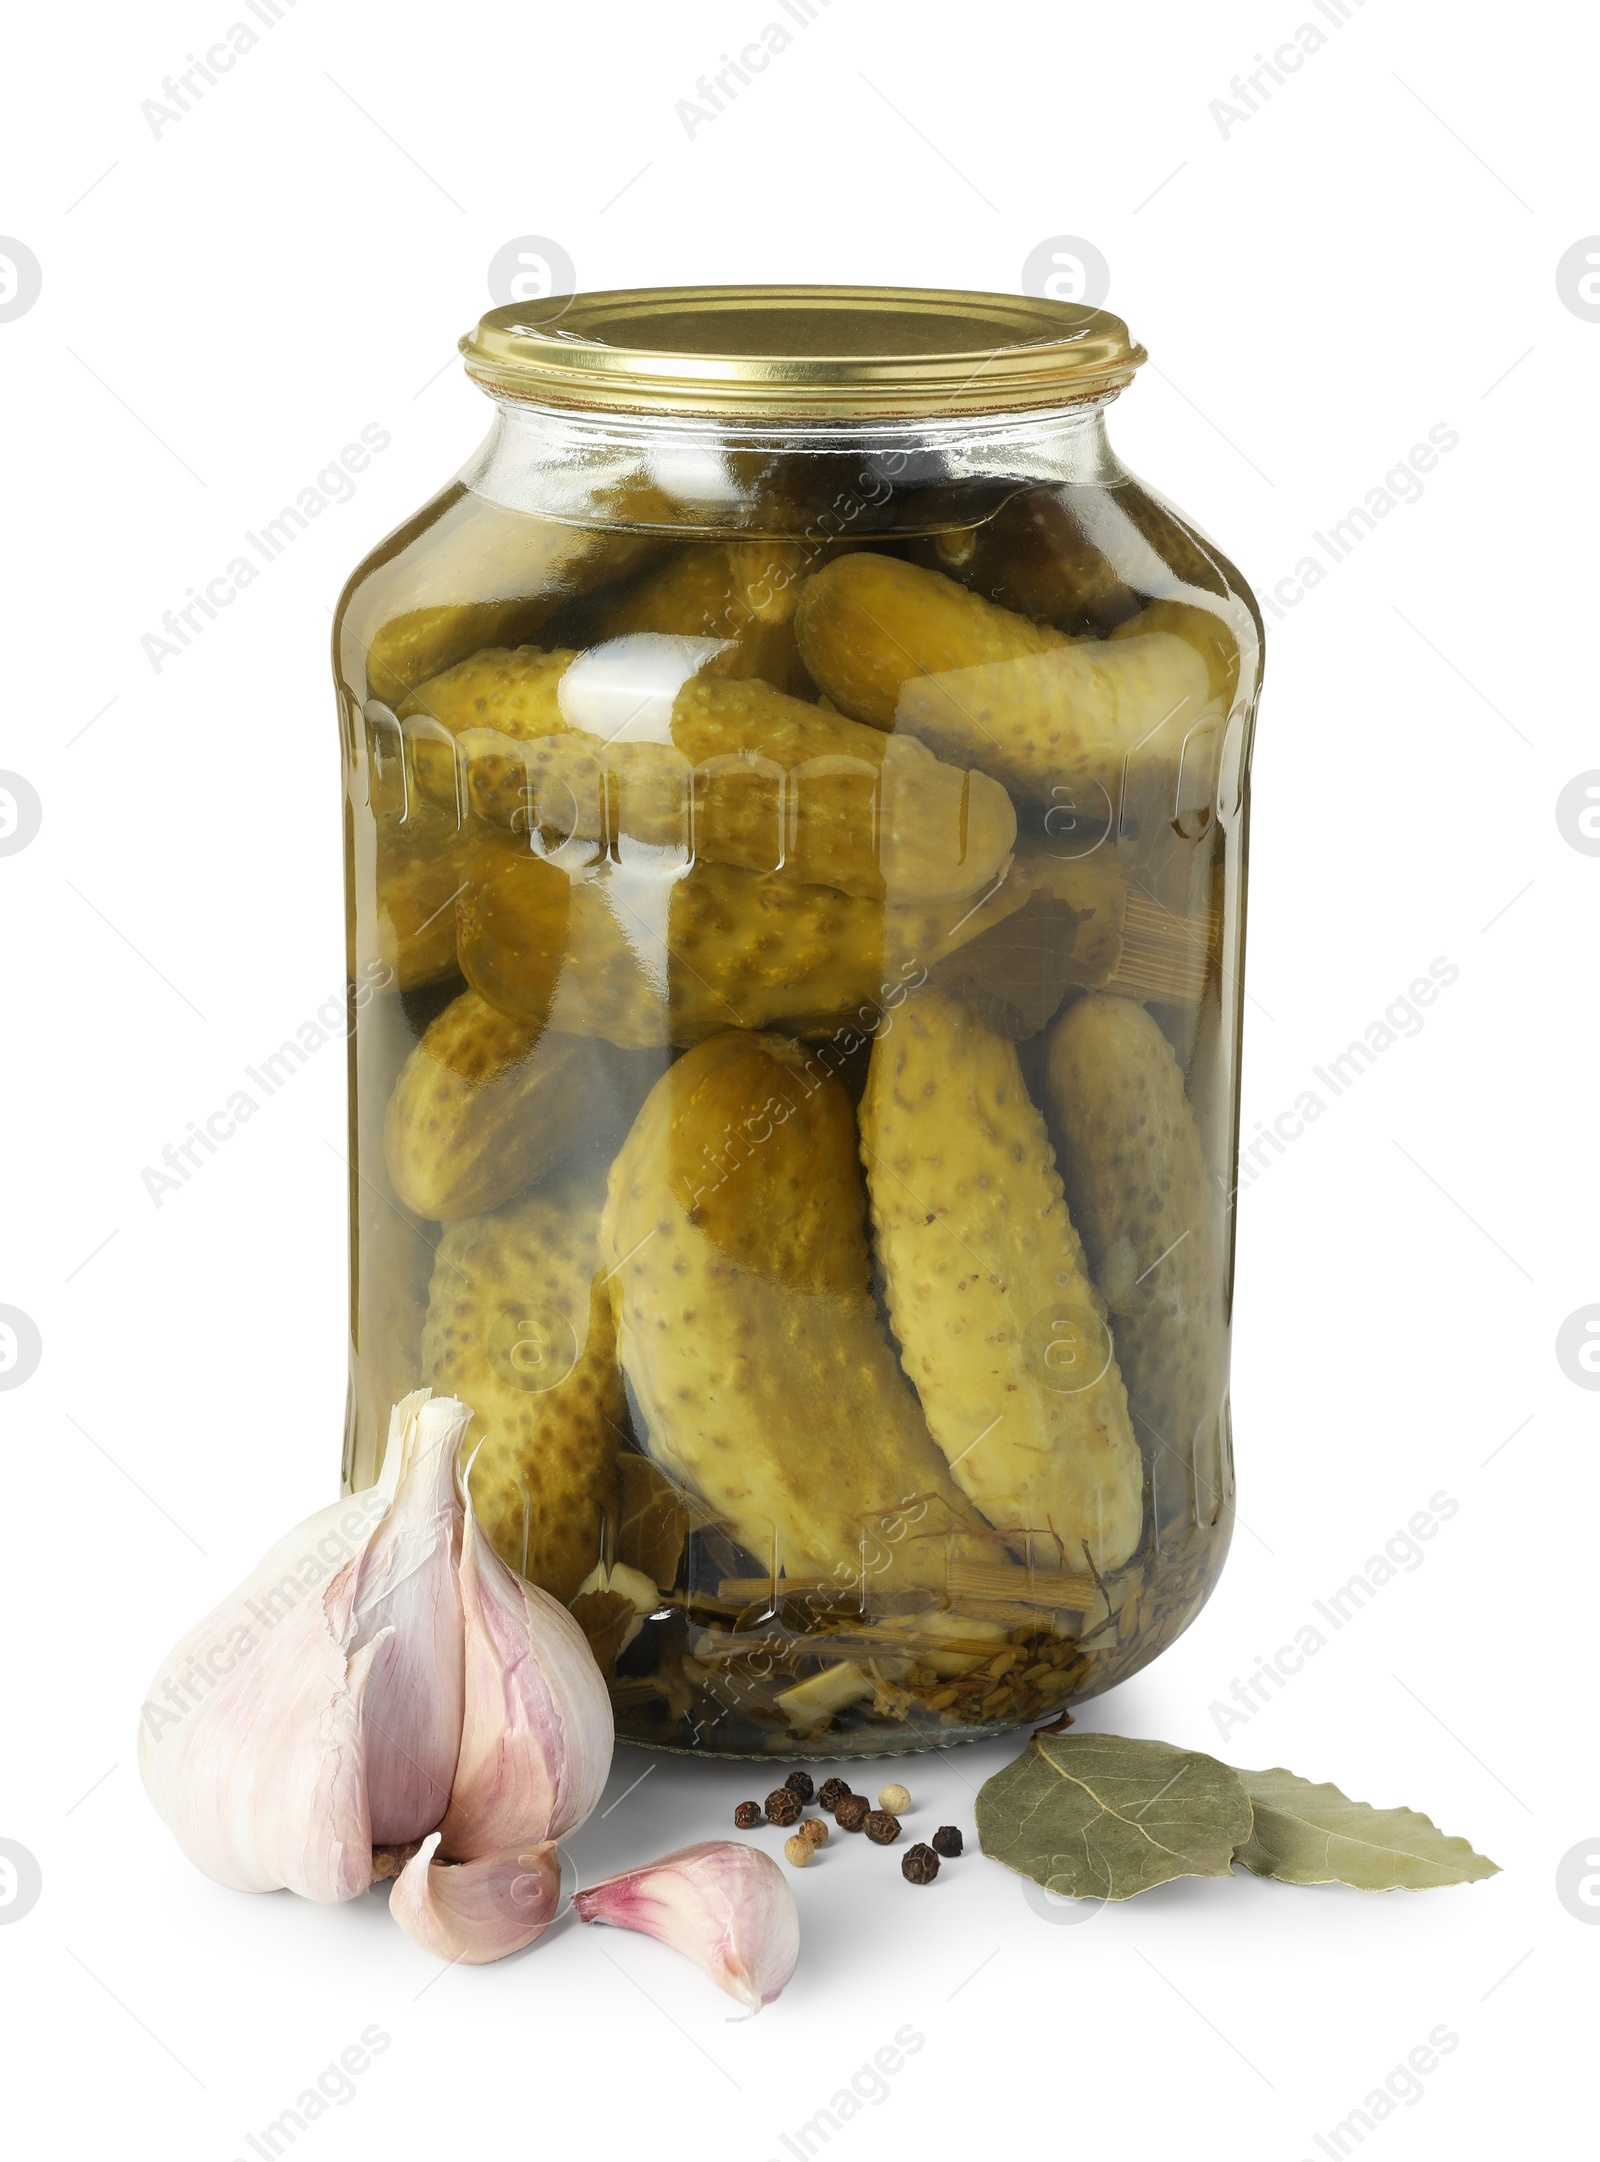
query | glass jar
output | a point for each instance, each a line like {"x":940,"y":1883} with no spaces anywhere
{"x":795,"y":813}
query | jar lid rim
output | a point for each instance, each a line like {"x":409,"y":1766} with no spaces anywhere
{"x":800,"y":351}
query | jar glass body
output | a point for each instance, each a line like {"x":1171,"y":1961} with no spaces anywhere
{"x":795,"y":909}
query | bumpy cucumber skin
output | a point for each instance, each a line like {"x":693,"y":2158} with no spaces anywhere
{"x":735,"y":1241}
{"x":1055,"y":719}
{"x":980,"y":1262}
{"x":544,"y":1480}
{"x":484,"y":1106}
{"x":1137,"y":1182}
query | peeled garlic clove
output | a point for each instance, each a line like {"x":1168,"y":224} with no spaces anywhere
{"x":255,"y":1743}
{"x":478,"y":1911}
{"x":407,"y":1584}
{"x":724,"y":1905}
{"x":537,"y":1730}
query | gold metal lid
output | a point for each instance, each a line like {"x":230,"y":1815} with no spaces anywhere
{"x":800,"y":352}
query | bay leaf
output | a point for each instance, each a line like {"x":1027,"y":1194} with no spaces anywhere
{"x":1099,"y":1816}
{"x":1306,"y":1834}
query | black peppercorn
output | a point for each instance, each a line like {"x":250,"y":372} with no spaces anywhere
{"x":919,"y":1864}
{"x":851,"y":1812}
{"x":947,"y":1840}
{"x":800,"y":1783}
{"x":747,"y":1816}
{"x":882,"y":1827}
{"x":784,"y":1806}
{"x":832,"y":1793}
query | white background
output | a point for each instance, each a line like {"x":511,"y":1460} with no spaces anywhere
{"x":1372,"y":253}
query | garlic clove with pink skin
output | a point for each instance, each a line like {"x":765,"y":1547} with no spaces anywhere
{"x":724,"y":1905}
{"x":407,"y":1584}
{"x":256,"y":1743}
{"x":478,"y":1911}
{"x":537,"y":1728}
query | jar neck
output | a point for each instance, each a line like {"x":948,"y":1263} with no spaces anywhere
{"x":689,"y":475}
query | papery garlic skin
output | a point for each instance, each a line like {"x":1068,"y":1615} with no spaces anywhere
{"x":537,"y":1729}
{"x":255,"y":1743}
{"x":724,"y":1905}
{"x":475,"y":1912}
{"x":412,"y":1708}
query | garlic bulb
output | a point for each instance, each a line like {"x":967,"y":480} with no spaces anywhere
{"x":478,"y":1911}
{"x":725,"y":1905}
{"x":537,"y":1728}
{"x":322,"y":1699}
{"x":383,"y":1681}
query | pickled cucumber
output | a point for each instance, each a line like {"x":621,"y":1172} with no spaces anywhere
{"x":1048,"y":554}
{"x":542,"y":945}
{"x":735,"y":1245}
{"x":393,"y":1263}
{"x":420,"y":865}
{"x":641,"y":960}
{"x":744,"y":775}
{"x":1136,"y":1179}
{"x":1097,"y":722}
{"x":486,"y":1104}
{"x":609,"y":951}
{"x":455,"y":722}
{"x":1034,"y":558}
{"x":519,"y":1329}
{"x":1207,"y":630}
{"x":743,"y":592}
{"x":868,"y":624}
{"x":1000,"y":1327}
{"x":483,"y":573}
